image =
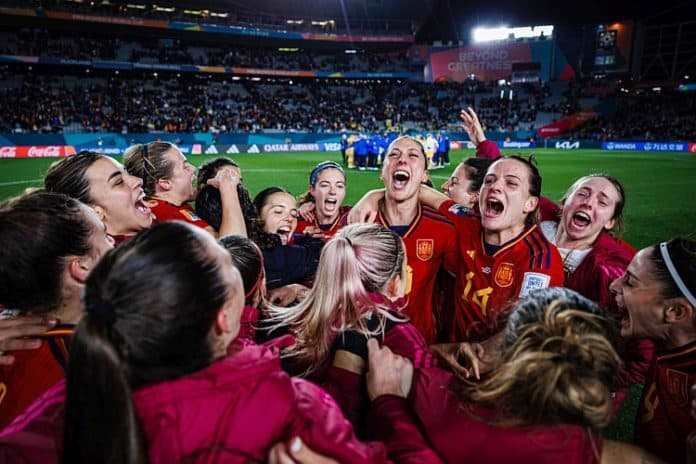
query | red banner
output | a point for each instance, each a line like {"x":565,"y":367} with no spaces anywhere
{"x":34,"y":151}
{"x":692,"y":147}
{"x":565,"y":124}
{"x":486,"y":62}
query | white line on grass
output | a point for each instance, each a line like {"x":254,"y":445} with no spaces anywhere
{"x":20,"y":182}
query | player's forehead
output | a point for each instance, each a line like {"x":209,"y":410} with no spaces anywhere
{"x":406,"y":144}
{"x":600,"y":185}
{"x":330,"y":175}
{"x":509,"y":167}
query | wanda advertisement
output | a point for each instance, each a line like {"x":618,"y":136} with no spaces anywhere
{"x":37,"y":151}
{"x":487,"y":62}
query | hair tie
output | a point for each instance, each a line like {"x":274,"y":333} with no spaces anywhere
{"x":314,"y":175}
{"x":675,"y":275}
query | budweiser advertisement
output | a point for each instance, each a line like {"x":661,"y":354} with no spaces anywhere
{"x":37,"y":151}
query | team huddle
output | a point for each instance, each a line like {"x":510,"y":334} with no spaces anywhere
{"x":157,"y":313}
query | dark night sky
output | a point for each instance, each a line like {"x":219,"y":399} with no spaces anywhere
{"x":451,"y":17}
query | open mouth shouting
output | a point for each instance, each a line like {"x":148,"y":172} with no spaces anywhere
{"x":580,"y":220}
{"x":400,"y":179}
{"x":285,"y":233}
{"x":331,"y":204}
{"x":624,"y":316}
{"x":494,"y":208}
{"x":141,"y":206}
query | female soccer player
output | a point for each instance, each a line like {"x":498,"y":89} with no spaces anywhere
{"x":151,"y":380}
{"x":428,"y":236}
{"x":464,"y":184}
{"x":44,"y":276}
{"x":592,"y":210}
{"x":657,"y":295}
{"x":327,"y":190}
{"x":547,"y":400}
{"x":167,"y":179}
{"x":101,"y":183}
{"x":502,"y":255}
{"x":293,"y":260}
{"x":358,"y":293}
{"x":248,"y":259}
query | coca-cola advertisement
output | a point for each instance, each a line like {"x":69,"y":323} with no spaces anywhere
{"x":37,"y":151}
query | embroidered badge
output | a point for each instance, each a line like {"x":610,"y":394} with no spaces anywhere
{"x":678,"y":386}
{"x":533,"y":281}
{"x":504,"y":275}
{"x":425,"y":248}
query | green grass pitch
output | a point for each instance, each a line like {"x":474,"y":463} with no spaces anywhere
{"x":661,"y":187}
{"x":661,"y":195}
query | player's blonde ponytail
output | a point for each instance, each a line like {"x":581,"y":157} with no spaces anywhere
{"x":361,"y":259}
{"x":557,"y":366}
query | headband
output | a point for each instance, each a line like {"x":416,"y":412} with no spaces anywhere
{"x":314,"y":175}
{"x":675,"y":275}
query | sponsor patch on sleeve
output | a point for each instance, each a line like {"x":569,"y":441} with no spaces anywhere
{"x":459,"y":210}
{"x":533,"y":281}
{"x":190,"y":215}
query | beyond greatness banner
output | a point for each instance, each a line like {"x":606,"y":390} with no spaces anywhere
{"x":486,"y":61}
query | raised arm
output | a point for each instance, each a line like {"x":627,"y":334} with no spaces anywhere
{"x":366,"y":209}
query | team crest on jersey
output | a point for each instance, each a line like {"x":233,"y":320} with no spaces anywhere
{"x":504,"y":275}
{"x":191,"y":216}
{"x":533,"y":281}
{"x":678,"y":386}
{"x":425,"y":248}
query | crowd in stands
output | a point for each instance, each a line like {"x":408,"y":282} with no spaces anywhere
{"x":44,"y":43}
{"x":43,"y":103}
{"x":645,"y":117}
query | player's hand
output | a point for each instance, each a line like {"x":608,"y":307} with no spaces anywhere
{"x":314,"y":231}
{"x":306,"y":211}
{"x":297,"y":452}
{"x":15,"y":334}
{"x":472,"y":126}
{"x":464,"y":359}
{"x":225,"y":177}
{"x":389,"y":373}
{"x":367,"y":208}
{"x":285,"y":296}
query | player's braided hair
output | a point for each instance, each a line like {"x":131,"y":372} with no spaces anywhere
{"x":558,"y":364}
{"x":147,"y":162}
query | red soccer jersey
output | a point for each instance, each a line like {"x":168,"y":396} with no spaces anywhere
{"x":430,"y":242}
{"x":488,"y":284}
{"x":664,"y":416}
{"x":32,"y":373}
{"x":165,"y":211}
{"x":329,"y":230}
